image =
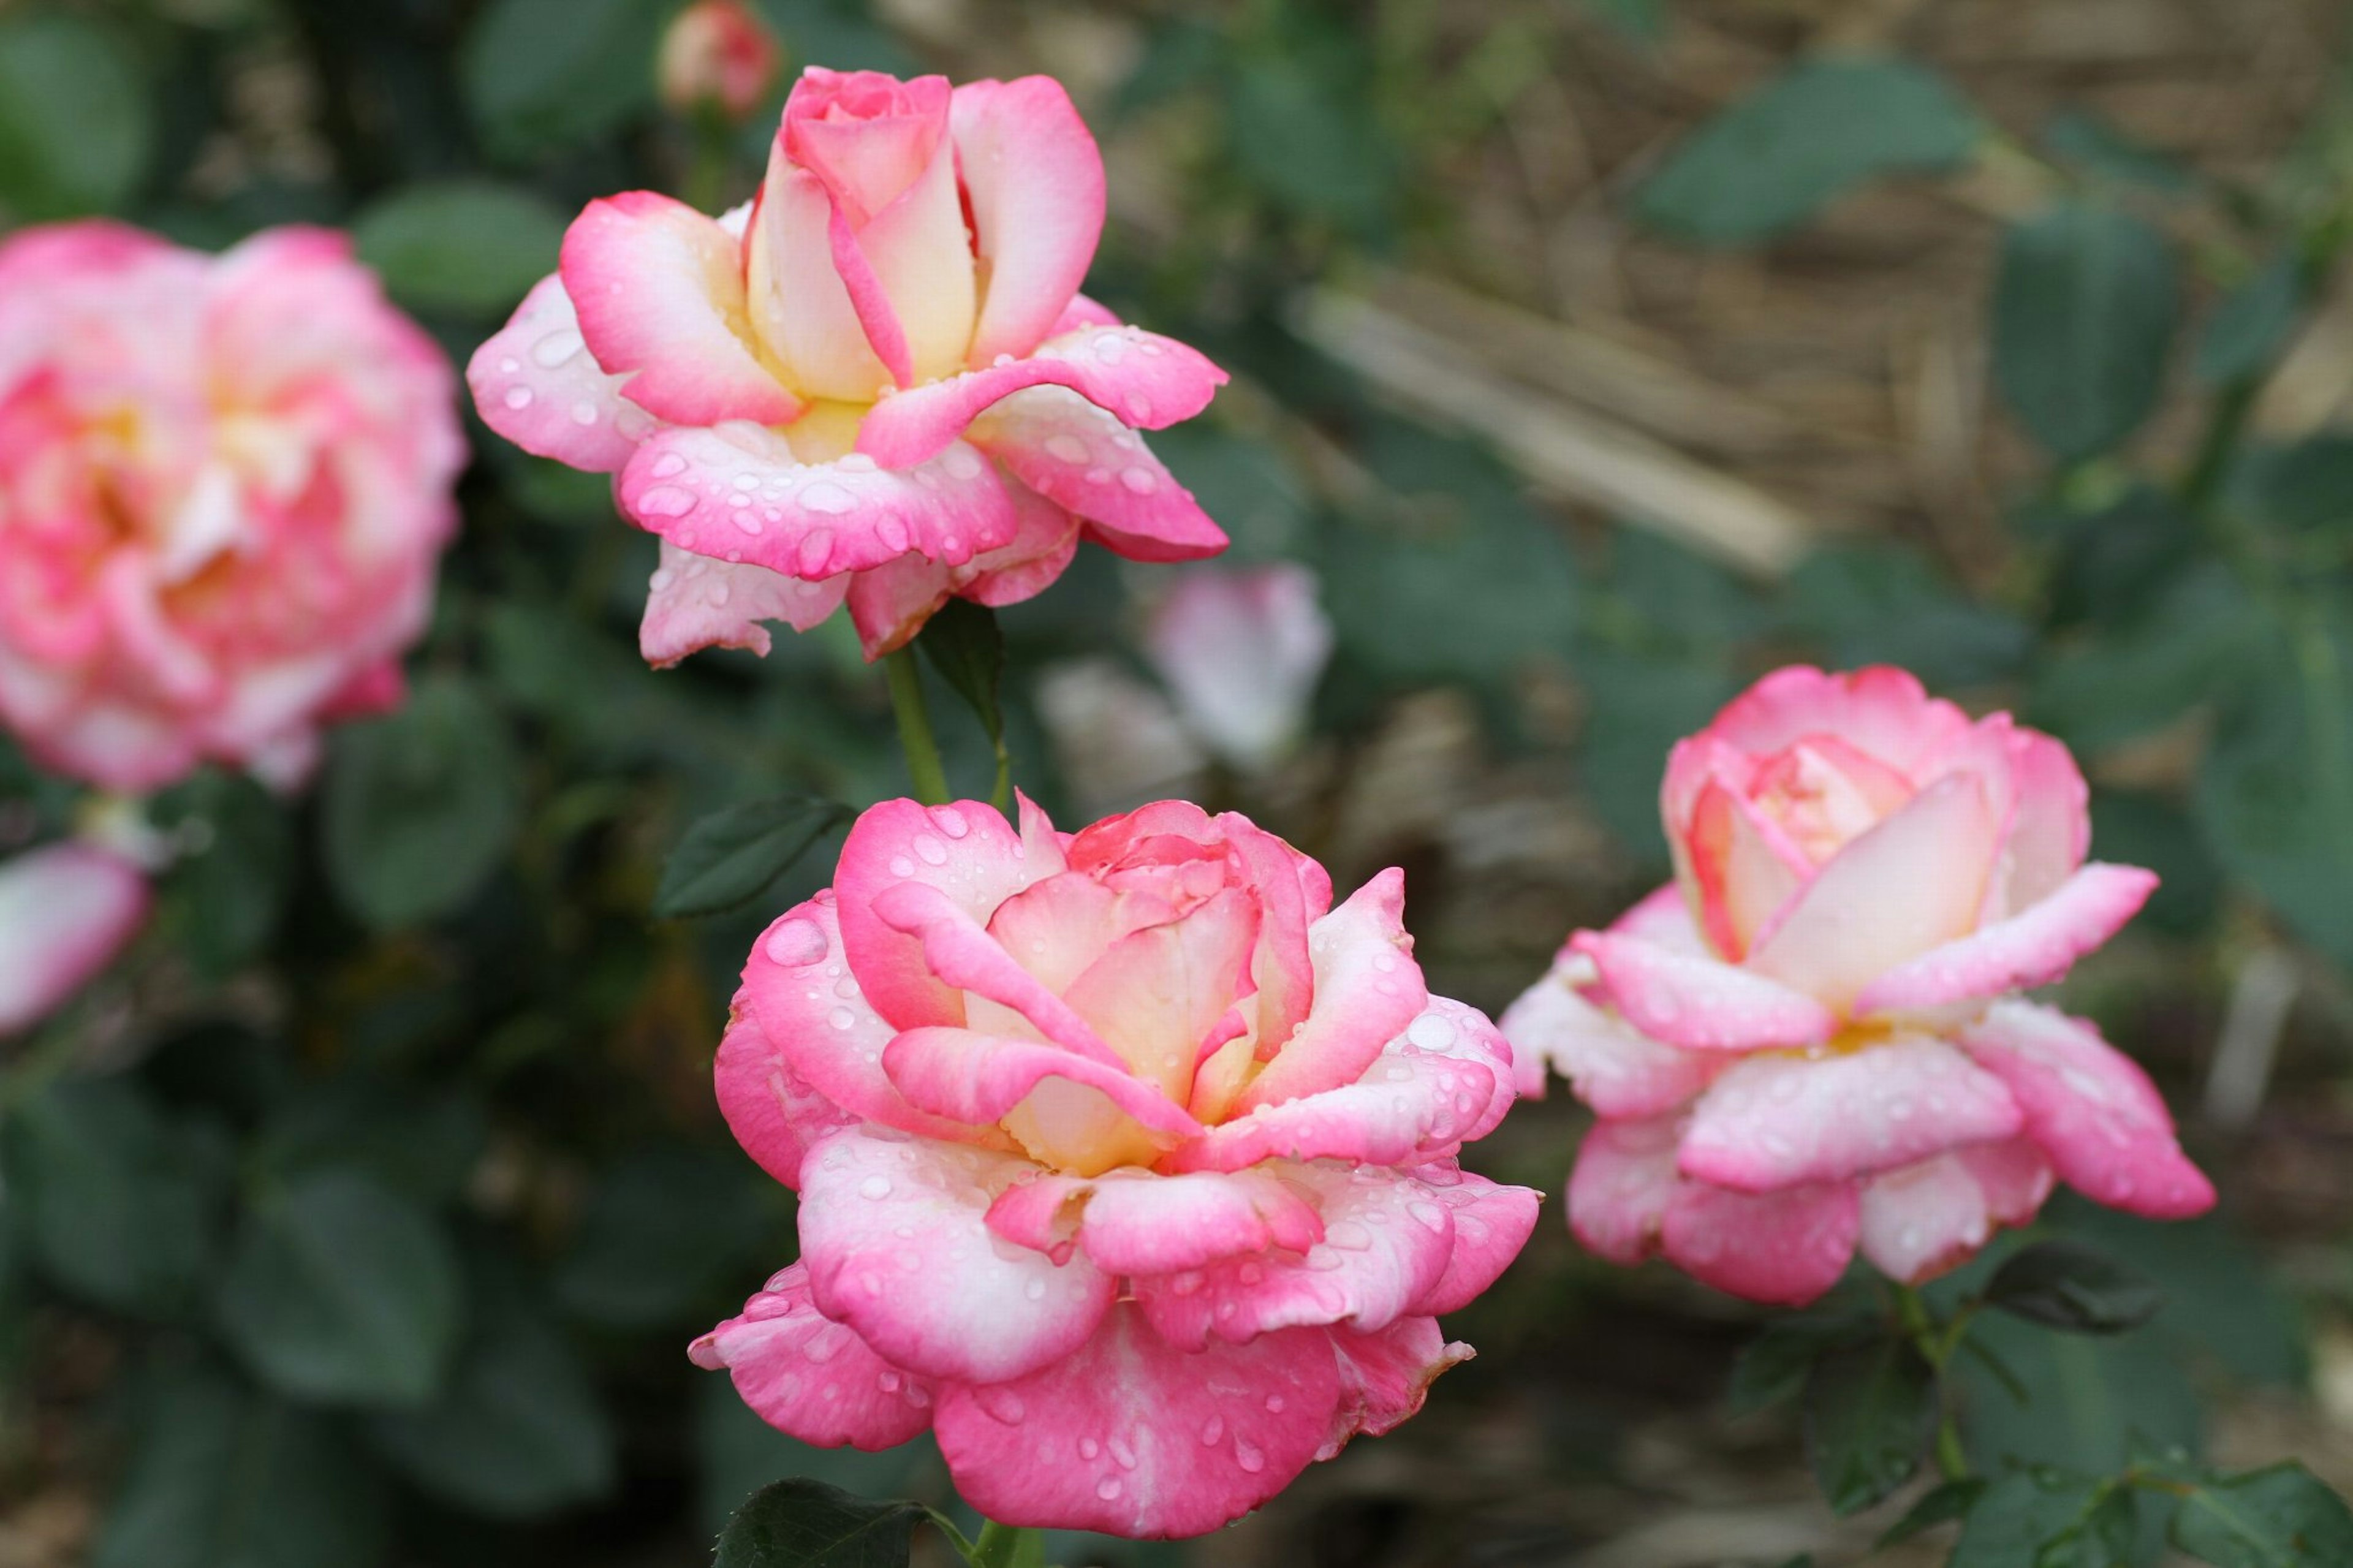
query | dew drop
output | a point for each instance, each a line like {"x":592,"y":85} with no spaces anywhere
{"x":795,"y":942}
{"x":931,"y":850}
{"x":874,"y":1187}
{"x":829,"y":498}
{"x":584,"y":414}
{"x":1213,"y":1431}
{"x":508,"y":366}
{"x":668,"y":466}
{"x":950,"y":821}
{"x":1089,"y":1448}
{"x":1066,"y":447}
{"x":555,"y":348}
{"x":841,"y":1018}
{"x":1274,"y":1405}
{"x":856,"y":463}
{"x":1107,"y":1489}
{"x":1002,"y":1403}
{"x":518,"y":397}
{"x":902,"y":866}
{"x":1247,"y":1456}
{"x":666,"y":500}
{"x":1141,"y":481}
{"x":1035,"y":1289}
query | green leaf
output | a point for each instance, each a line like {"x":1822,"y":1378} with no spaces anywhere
{"x":466,"y":247}
{"x":2278,"y":1517}
{"x":519,"y":1431}
{"x":425,"y":1143}
{"x":1302,"y":131}
{"x":226,"y":1477}
{"x":123,"y":1207}
{"x":1885,"y":603}
{"x":233,"y":885}
{"x":2071,"y":1286}
{"x":1640,"y":708}
{"x":2275,"y":792}
{"x":663,"y":1239}
{"x":2250,"y":323}
{"x":964,"y":644}
{"x":2303,"y":489}
{"x":542,"y":75}
{"x":341,"y":1291}
{"x":1867,"y":1416}
{"x":2082,"y":1403}
{"x":2099,"y":149}
{"x":729,"y":858}
{"x":1940,"y":1504}
{"x":2134,"y":829}
{"x":2084,"y":311}
{"x":2045,"y":1519}
{"x":807,"y":1524}
{"x":421,"y":806}
{"x":1249,"y":485}
{"x":2223,"y":1300}
{"x":74,"y":125}
{"x":1773,"y":159}
{"x":2203,"y":633}
{"x":737,"y":1454}
{"x":2115,"y":559}
{"x":1774,"y":1365}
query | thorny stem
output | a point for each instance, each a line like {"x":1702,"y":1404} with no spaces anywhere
{"x":915,"y":738}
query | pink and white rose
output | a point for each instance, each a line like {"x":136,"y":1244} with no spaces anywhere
{"x":1812,"y":1041}
{"x":876,"y":383}
{"x":66,"y":909}
{"x":1242,"y":649}
{"x":1127,"y":1163}
{"x":225,"y":482}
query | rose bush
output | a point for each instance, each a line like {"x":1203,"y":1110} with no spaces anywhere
{"x":1126,"y":1163}
{"x":1810,"y":1041}
{"x":877,"y":383}
{"x":228,"y":481}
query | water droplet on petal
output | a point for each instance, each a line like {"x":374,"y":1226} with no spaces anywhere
{"x":1107,"y":1489}
{"x":668,"y":466}
{"x":795,"y":942}
{"x":950,"y":821}
{"x":518,"y":397}
{"x":555,"y":348}
{"x":1142,"y":482}
{"x":1066,"y":447}
{"x":933,"y":851}
{"x":841,"y":1018}
{"x":902,"y":866}
{"x":1247,"y":1456}
{"x":666,"y":500}
{"x":1213,"y":1431}
{"x":828,"y":499}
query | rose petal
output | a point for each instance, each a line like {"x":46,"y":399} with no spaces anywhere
{"x":2092,"y":1109}
{"x":1034,"y":181}
{"x":2029,"y":949}
{"x":1881,"y":709}
{"x":1619,"y":1192}
{"x":1139,"y":1222}
{"x":775,"y":1112}
{"x":1744,"y":867}
{"x":1776,"y":1122}
{"x":65,"y":911}
{"x":1698,"y":1003}
{"x":1783,"y":1249}
{"x":979,"y":1079}
{"x":1086,"y":461}
{"x":1909,"y":884}
{"x":735,"y":492}
{"x":660,"y":292}
{"x":813,"y":1378}
{"x":693,"y":603}
{"x":1134,"y":1438}
{"x":1611,"y":1066}
{"x":895,"y":1237}
{"x":1923,"y":1219}
{"x":1492,"y":1223}
{"x":536,"y":383}
{"x":1367,"y":990}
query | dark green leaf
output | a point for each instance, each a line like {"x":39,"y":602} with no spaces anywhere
{"x":422,"y":805}
{"x":1639,"y":708}
{"x":1940,"y":1504}
{"x":1303,"y":131}
{"x":2202,"y":633}
{"x":1774,"y":1365}
{"x":226,"y":1477}
{"x":2084,"y":311}
{"x":2303,"y":489}
{"x":123,"y":1207}
{"x":2278,"y":1517}
{"x":2115,"y":560}
{"x":541,"y":74}
{"x":965,"y":646}
{"x":2133,"y":828}
{"x":2250,"y":323}
{"x":729,"y":858}
{"x":2044,"y":1518}
{"x":468,"y":247}
{"x":1772,"y":160}
{"x":807,"y":1524}
{"x":2275,"y":794}
{"x":664,"y":1238}
{"x":425,"y":1143}
{"x":2080,"y":1402}
{"x":1867,"y":1416}
{"x":2098,"y":148}
{"x":75,"y":128}
{"x":2223,"y":1299}
{"x":233,"y":885}
{"x":738,"y":1454}
{"x":1885,"y":603}
{"x":340,"y":1289}
{"x":2068,"y":1285}
{"x":519,"y":1430}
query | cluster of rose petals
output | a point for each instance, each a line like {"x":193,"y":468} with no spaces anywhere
{"x":1240,"y":649}
{"x":65,"y":911}
{"x":717,"y":54}
{"x":877,"y":383}
{"x":224,"y":486}
{"x":1812,"y":1042}
{"x":1127,"y":1164}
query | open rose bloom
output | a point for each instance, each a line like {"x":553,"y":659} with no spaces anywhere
{"x":1811,"y":1041}
{"x":878,"y":383}
{"x":1126,"y":1163}
{"x":224,"y":483}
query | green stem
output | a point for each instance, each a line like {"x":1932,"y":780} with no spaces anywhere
{"x":915,"y":740}
{"x":1008,"y":1546}
{"x":1936,"y":1342}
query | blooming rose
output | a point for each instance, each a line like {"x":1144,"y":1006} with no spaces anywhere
{"x":878,"y":382}
{"x":1126,"y":1163}
{"x":65,"y":911}
{"x":1810,"y":1041}
{"x":224,"y":483}
{"x":1241,"y":651}
{"x":717,"y":53}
